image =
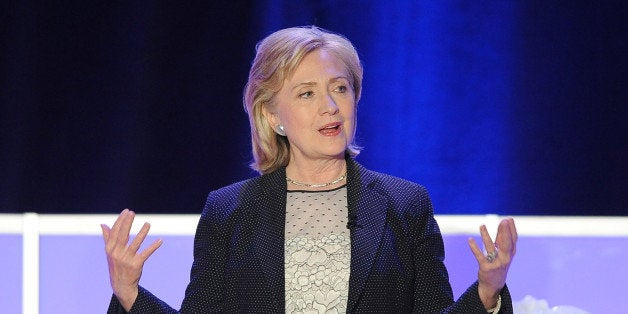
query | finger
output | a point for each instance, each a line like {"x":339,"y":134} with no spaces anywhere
{"x":120,"y":218}
{"x":513,"y":229}
{"x":475,"y":249}
{"x":146,"y":253}
{"x":505,"y":239}
{"x":502,"y":240}
{"x":514,"y":235}
{"x":489,"y":246}
{"x":115,"y":229}
{"x":105,"y":232}
{"x":125,"y":228}
{"x":139,"y":238}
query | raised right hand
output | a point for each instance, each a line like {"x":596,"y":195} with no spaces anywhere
{"x":125,"y":263}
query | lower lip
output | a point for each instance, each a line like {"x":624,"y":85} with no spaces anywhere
{"x":330,"y":132}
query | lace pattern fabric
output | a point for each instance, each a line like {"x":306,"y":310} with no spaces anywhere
{"x":317,"y":252}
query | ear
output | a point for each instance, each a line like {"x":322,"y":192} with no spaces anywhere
{"x":271,"y":117}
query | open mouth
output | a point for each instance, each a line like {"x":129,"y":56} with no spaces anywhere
{"x":330,"y":129}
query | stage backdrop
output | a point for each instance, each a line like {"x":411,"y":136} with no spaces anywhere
{"x":509,"y":107}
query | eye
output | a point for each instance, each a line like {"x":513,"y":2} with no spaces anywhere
{"x":341,"y":89}
{"x":306,"y":95}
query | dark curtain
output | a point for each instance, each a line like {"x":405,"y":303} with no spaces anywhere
{"x":508,"y":107}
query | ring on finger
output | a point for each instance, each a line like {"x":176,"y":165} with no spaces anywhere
{"x":491,"y":256}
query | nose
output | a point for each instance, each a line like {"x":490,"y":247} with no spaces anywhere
{"x":329,"y":105}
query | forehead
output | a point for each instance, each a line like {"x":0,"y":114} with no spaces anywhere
{"x":319,"y":64}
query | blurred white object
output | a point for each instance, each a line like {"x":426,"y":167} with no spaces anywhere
{"x":530,"y":305}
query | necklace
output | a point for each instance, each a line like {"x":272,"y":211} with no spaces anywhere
{"x":319,"y":185}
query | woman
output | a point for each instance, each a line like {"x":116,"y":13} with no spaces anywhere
{"x":316,"y":231}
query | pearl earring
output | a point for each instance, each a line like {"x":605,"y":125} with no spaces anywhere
{"x":281,"y":130}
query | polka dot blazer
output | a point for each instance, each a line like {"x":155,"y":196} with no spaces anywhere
{"x":396,"y":251}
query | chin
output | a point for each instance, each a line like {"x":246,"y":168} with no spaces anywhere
{"x":338,"y":153}
{"x":336,"y":148}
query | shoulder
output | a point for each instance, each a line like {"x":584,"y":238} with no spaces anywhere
{"x":403,"y":196}
{"x":234,"y":191}
{"x":245,"y":194}
{"x":403,"y":192}
{"x":408,"y":204}
{"x":398,"y":185}
{"x":395,"y":187}
{"x":223,"y":202}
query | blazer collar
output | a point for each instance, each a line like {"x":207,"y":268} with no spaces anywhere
{"x":269,"y":209}
{"x":366,"y":208}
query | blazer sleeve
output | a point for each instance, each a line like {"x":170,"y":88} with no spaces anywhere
{"x":471,"y":296}
{"x":205,"y":291}
{"x":146,"y":302}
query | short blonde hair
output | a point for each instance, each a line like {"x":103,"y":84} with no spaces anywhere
{"x":276,"y":59}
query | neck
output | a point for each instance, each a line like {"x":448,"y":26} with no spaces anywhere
{"x":336,"y":181}
{"x":316,"y":176}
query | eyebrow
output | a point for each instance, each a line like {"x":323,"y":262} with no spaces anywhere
{"x":337,"y":78}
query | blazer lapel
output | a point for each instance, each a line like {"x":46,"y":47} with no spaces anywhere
{"x":270,"y":214}
{"x":368,"y":208}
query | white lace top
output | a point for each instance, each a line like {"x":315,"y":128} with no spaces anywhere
{"x":317,"y":251}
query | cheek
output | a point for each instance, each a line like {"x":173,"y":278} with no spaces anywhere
{"x":349,"y":113}
{"x":353,"y":127}
{"x":295,"y":119}
{"x":351,"y":120}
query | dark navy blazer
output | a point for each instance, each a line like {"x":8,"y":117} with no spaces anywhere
{"x":396,"y":251}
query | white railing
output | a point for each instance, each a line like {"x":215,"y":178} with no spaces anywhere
{"x":31,"y":226}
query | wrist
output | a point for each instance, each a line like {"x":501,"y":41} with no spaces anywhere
{"x":127,"y":298}
{"x":489,"y":297}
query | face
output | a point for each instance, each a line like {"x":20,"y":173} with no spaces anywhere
{"x":317,"y":108}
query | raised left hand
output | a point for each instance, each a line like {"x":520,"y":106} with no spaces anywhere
{"x":493,"y":267}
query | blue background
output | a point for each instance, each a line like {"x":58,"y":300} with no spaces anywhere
{"x":509,"y":107}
